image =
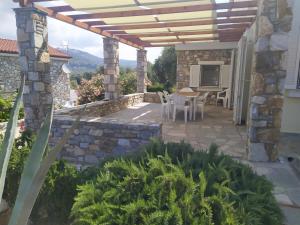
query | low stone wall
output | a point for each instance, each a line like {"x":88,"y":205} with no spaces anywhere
{"x":103,"y":108}
{"x":97,"y":138}
{"x":151,"y":97}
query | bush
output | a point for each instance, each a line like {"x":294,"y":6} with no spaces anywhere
{"x":56,"y":197}
{"x":155,"y":87}
{"x":172,"y":184}
{"x":91,"y":90}
{"x":128,"y":83}
{"x":5,"y":106}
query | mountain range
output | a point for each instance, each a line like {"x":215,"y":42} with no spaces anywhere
{"x":82,"y":61}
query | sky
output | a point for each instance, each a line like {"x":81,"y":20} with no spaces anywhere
{"x":60,"y":32}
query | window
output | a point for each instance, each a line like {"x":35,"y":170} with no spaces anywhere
{"x":210,"y":75}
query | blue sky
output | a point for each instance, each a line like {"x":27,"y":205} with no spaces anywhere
{"x":60,"y":32}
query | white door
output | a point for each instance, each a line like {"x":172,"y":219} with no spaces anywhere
{"x":238,"y":83}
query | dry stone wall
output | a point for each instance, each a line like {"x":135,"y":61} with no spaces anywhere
{"x":111,"y":68}
{"x":267,"y":84}
{"x":9,"y":73}
{"x":188,"y":57}
{"x":151,"y":97}
{"x":10,"y":78}
{"x":141,"y":70}
{"x":96,"y":139}
{"x":32,"y":35}
{"x":103,"y":108}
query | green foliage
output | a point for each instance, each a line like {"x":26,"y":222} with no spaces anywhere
{"x":172,"y":184}
{"x":155,"y":87}
{"x":6,"y":105}
{"x":56,"y":197}
{"x":7,"y":143}
{"x":128,"y":82}
{"x":164,"y":68}
{"x":91,"y":90}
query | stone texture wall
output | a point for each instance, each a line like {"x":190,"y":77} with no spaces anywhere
{"x":9,"y":73}
{"x":97,"y":138}
{"x":267,"y":84}
{"x":187,"y":58}
{"x":111,"y":68}
{"x":141,"y":70}
{"x":151,"y":97}
{"x":60,"y":83}
{"x":102,"y":108}
{"x":10,"y":78}
{"x":32,"y":36}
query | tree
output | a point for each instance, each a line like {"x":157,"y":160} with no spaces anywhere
{"x":164,"y":67}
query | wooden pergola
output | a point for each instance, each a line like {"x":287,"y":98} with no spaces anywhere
{"x":155,"y":23}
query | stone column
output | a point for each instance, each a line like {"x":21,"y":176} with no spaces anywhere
{"x":32,"y":35}
{"x":111,"y":68}
{"x":141,"y":70}
{"x":268,"y":78}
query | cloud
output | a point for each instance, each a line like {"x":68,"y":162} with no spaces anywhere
{"x":60,"y":32}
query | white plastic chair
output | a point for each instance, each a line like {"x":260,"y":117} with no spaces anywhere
{"x":199,"y":104}
{"x":224,"y":98}
{"x":165,"y":110}
{"x":180,"y":104}
{"x":169,"y":100}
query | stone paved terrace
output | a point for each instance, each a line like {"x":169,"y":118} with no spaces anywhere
{"x":217,"y":127}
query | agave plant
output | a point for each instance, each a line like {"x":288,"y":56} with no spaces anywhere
{"x":37,"y":165}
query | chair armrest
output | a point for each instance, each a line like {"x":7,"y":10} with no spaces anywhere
{"x":219,"y":93}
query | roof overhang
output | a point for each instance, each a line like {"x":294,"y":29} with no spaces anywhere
{"x":155,"y":23}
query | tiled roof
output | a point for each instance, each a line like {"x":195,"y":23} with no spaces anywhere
{"x":10,"y":46}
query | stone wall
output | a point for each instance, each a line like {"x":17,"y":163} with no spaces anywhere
{"x":98,"y":138}
{"x":9,"y":73}
{"x":111,"y":68}
{"x":267,"y":83}
{"x":141,"y":70}
{"x":102,"y":108}
{"x":10,"y":78}
{"x":60,"y":83}
{"x":151,"y":97}
{"x":187,"y":58}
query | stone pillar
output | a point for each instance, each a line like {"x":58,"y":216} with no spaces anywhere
{"x":32,"y":35}
{"x":141,"y":70}
{"x":111,"y":68}
{"x":268,"y":77}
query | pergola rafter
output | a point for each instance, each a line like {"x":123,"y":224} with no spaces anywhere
{"x":182,"y":21}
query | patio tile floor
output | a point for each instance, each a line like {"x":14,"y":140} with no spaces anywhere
{"x":217,"y":127}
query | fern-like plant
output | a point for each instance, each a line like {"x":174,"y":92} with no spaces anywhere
{"x":171,"y":184}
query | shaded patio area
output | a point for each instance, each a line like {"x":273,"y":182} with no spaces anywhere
{"x":217,"y":127}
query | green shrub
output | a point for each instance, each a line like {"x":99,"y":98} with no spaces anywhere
{"x":172,"y":184}
{"x":128,"y":83}
{"x":5,"y":107}
{"x":91,"y":90}
{"x":56,"y":197}
{"x":155,"y":87}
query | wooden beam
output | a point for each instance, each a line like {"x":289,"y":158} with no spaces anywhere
{"x":171,"y":24}
{"x":183,"y":40}
{"x":237,"y":13}
{"x":166,"y":10}
{"x":179,"y":33}
{"x":85,"y":26}
{"x":238,"y":25}
{"x":63,"y":8}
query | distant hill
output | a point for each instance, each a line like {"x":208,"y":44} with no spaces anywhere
{"x":85,"y":62}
